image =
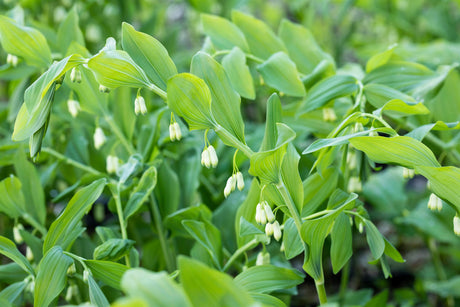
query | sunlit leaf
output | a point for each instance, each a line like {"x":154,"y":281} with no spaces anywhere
{"x":223,"y":33}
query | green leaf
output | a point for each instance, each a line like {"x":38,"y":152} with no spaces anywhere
{"x":261,"y":39}
{"x":400,"y":150}
{"x":238,"y":72}
{"x":302,"y":47}
{"x":38,"y":99}
{"x":115,"y":68}
{"x":268,"y":278}
{"x":149,"y":54}
{"x":225,"y":106}
{"x":419,"y":133}
{"x":69,"y":31}
{"x":341,"y":242}
{"x":317,"y":188}
{"x":107,"y":271}
{"x":445,"y":288}
{"x":96,"y":296}
{"x":31,"y":187}
{"x":248,"y":229}
{"x":340,"y":140}
{"x":380,"y":300}
{"x":141,"y":192}
{"x":444,"y":105}
{"x":113,"y":249}
{"x":65,"y":229}
{"x":207,"y":287}
{"x":197,"y":213}
{"x":374,"y":240}
{"x":398,"y":108}
{"x":378,"y":95}
{"x":267,"y":300}
{"x":292,"y":243}
{"x":267,"y":164}
{"x":291,"y":177}
{"x":380,"y":59}
{"x":444,"y":181}
{"x":167,"y":190}
{"x":8,"y":249}
{"x":130,"y":168}
{"x":223,"y":33}
{"x":25,"y":42}
{"x":13,"y":292}
{"x":190,"y":98}
{"x":208,"y":236}
{"x":12,"y":201}
{"x":280,"y":72}
{"x":327,"y":90}
{"x":51,"y":277}
{"x":158,"y":289}
{"x":273,"y":117}
{"x":392,"y":252}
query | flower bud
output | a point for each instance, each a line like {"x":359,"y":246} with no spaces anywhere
{"x":240,"y":181}
{"x":139,"y":105}
{"x":75,"y":75}
{"x":276,"y":231}
{"x":85,"y":276}
{"x":104,"y":89}
{"x":351,"y":160}
{"x":261,"y":218}
{"x":71,"y":292}
{"x":17,"y":233}
{"x":434,"y":203}
{"x":177,"y":131}
{"x":354,"y":185}
{"x":12,"y":60}
{"x":268,"y":212}
{"x":74,"y":107}
{"x":282,"y":247}
{"x":111,"y":164}
{"x":457,"y":225}
{"x":329,"y":115}
{"x":360,"y":226}
{"x":29,"y":254}
{"x":99,"y":138}
{"x":172,"y":134}
{"x":408,"y":173}
{"x":72,"y":269}
{"x":213,"y":156}
{"x":263,"y":258}
{"x":269,"y":229}
{"x":205,"y":158}
{"x":230,"y":186}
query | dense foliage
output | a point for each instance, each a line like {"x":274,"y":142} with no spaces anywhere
{"x":230,"y":153}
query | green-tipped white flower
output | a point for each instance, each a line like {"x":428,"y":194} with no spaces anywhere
{"x":354,"y":185}
{"x":269,"y":229}
{"x":408,"y":173}
{"x":205,"y":158}
{"x":29,"y":254}
{"x":112,"y":164}
{"x":174,"y":132}
{"x":261,"y":218}
{"x":239,"y":181}
{"x":276,"y":231}
{"x":72,"y":290}
{"x":103,"y":89}
{"x":99,"y":138}
{"x":352,"y":161}
{"x":75,"y":75}
{"x":139,"y":106}
{"x":230,"y":186}
{"x":74,"y":107}
{"x":434,"y":203}
{"x":12,"y":60}
{"x":263,"y":258}
{"x":268,"y":212}
{"x":85,"y":276}
{"x":457,"y":225}
{"x":72,"y":269}
{"x":329,"y":115}
{"x":17,"y":233}
{"x":213,"y":156}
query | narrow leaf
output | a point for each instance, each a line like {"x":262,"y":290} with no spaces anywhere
{"x":8,"y":249}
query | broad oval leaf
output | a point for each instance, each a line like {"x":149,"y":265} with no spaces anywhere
{"x":341,"y":242}
{"x":292,"y":243}
{"x":374,"y":240}
{"x":223,"y":33}
{"x":268,"y":278}
{"x":238,"y":72}
{"x":380,"y":59}
{"x":158,"y":289}
{"x":107,"y":271}
{"x":113,"y":249}
{"x":25,"y":42}
{"x":378,"y":95}
{"x":280,"y":72}
{"x":51,"y":276}
{"x":115,"y":68}
{"x":149,"y":54}
{"x":261,"y":39}
{"x":326,"y":90}
{"x":400,"y":150}
{"x":225,"y":106}
{"x":190,"y":98}
{"x":62,"y":231}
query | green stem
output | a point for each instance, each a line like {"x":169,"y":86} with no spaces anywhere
{"x":439,"y":268}
{"x":239,"y":252}
{"x":156,"y":217}
{"x":317,"y":214}
{"x":158,"y":91}
{"x":344,"y":283}
{"x":231,"y":140}
{"x":29,"y":219}
{"x":321,"y":291}
{"x":72,"y":162}
{"x":121,"y":219}
{"x":116,"y":130}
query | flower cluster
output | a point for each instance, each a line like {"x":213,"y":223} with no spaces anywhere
{"x":434,"y":203}
{"x":209,"y":157}
{"x":139,"y":106}
{"x":265,"y":216}
{"x":234,"y":181}
{"x":175,"y":132}
{"x":75,"y":75}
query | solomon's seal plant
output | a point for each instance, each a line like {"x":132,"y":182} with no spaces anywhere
{"x":310,"y":170}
